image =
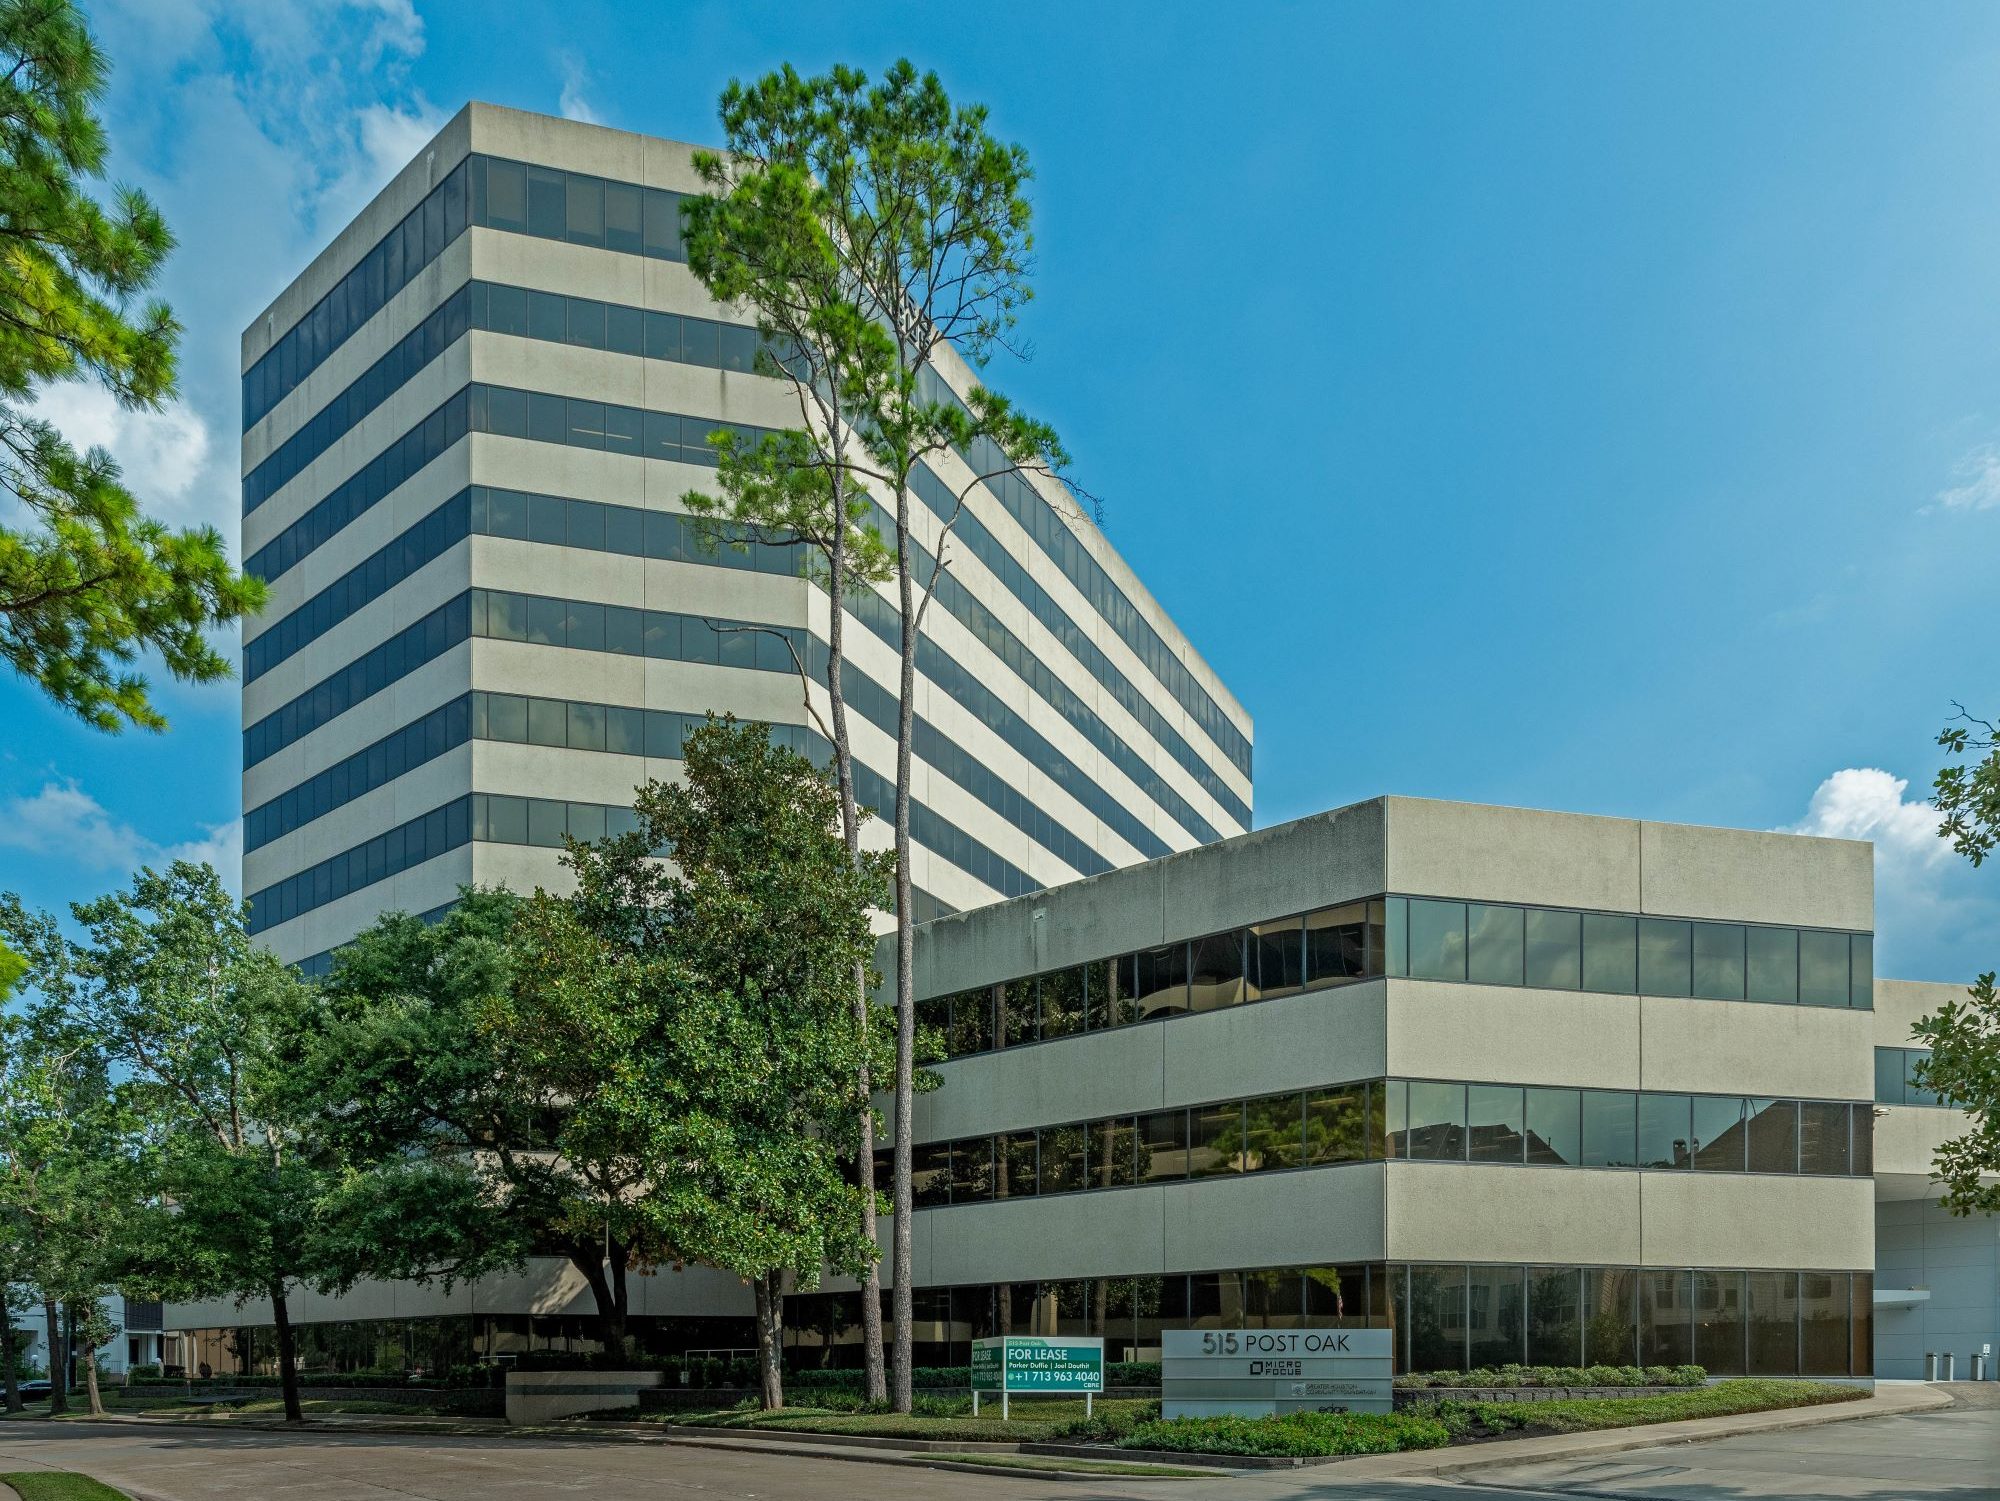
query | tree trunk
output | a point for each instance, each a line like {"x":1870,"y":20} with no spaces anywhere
{"x":874,"y":1378}
{"x":13,"y":1375}
{"x":58,"y":1366}
{"x":769,"y":1292}
{"x":90,"y":1380}
{"x":906,"y":947}
{"x":607,"y":1290}
{"x":288,"y":1354}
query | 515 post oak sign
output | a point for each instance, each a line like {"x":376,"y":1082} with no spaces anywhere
{"x":1259,"y":1372}
{"x":1011,"y":1363}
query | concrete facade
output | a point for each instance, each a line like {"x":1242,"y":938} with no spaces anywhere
{"x":1937,"y":1274}
{"x":1149,"y":791}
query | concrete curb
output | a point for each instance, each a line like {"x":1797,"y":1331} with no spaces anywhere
{"x":1505,"y":1453}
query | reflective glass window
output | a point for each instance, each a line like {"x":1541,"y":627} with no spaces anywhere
{"x":1336,"y":944}
{"x":1555,"y":1127}
{"x":1495,"y":945}
{"x":1215,"y":1140}
{"x":1162,"y":1146}
{"x":1889,"y":1076}
{"x":1610,"y":1128}
{"x":1276,"y":959}
{"x":1610,"y":1316}
{"x":972,"y":1021}
{"x":930,"y":1174}
{"x":1436,"y":1131}
{"x":1718,"y":1134}
{"x":1496,"y":1313}
{"x":1823,"y":977}
{"x":972,"y":1170}
{"x":1610,"y":953}
{"x":1113,"y":1153}
{"x":1666,"y":1130}
{"x":1019,"y":1012}
{"x":1062,"y":995}
{"x":1914,"y":1092}
{"x":1437,"y":940}
{"x":548,"y":722}
{"x":1161,"y":981}
{"x":1666,"y":1318}
{"x":1664,"y":956}
{"x":1823,"y":1329}
{"x":1436,"y":1333}
{"x":1773,"y":965}
{"x":1720,"y":1328}
{"x":1014,"y":1160}
{"x":1396,"y":936}
{"x":1495,"y":1123}
{"x":1272,"y":1133}
{"x":1336,"y":1125}
{"x":506,"y":717}
{"x":1774,"y":1136}
{"x":1216,"y":972}
{"x":1718,"y":961}
{"x":1774,"y":1323}
{"x":1822,"y":1137}
{"x":1065,"y":1158}
{"x":1554,"y":949}
{"x":1555,"y":1315}
{"x":1861,"y":971}
{"x":548,"y":822}
{"x":1393,"y":1096}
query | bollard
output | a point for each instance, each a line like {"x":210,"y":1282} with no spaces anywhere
{"x":1949,"y":1358}
{"x":1978,"y":1365}
{"x":1930,"y":1365}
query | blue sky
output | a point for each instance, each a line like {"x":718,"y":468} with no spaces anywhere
{"x":1576,"y":406}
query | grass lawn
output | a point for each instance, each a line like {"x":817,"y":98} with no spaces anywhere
{"x":1724,"y":1399}
{"x":1078,"y":1466}
{"x":60,"y":1485}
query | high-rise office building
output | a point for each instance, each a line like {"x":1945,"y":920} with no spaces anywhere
{"x":468,"y":429}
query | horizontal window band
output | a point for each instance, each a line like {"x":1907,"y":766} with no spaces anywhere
{"x":1403,"y":1120}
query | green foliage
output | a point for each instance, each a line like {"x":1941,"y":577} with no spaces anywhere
{"x":1109,"y":1422}
{"x":1968,"y":796}
{"x":1300,"y":1435}
{"x":1577,"y":1415}
{"x":58,"y":1485}
{"x":87,"y":581}
{"x":1543,"y":1375}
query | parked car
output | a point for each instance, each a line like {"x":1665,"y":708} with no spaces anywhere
{"x":34,"y":1391}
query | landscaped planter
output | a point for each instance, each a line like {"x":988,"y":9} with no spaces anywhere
{"x":1417,"y":1396}
{"x":541,"y":1396}
{"x":465,"y":1401}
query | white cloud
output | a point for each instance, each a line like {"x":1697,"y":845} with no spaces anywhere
{"x":163,"y":453}
{"x":572,"y":103}
{"x":64,"y":822}
{"x":1868,"y":803}
{"x":1975,"y":482}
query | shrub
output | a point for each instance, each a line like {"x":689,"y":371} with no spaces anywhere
{"x":1580,"y":1414}
{"x":1300,"y":1435}
{"x":1109,"y":1423}
{"x":1544,"y":1375}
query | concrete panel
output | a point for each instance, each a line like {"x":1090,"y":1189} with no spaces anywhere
{"x":1719,"y":1219}
{"x":1440,"y":1030}
{"x":1901,"y":1004}
{"x":1907,"y":1138}
{"x":1512,"y":855}
{"x":1744,"y":876}
{"x":1722,"y":1047}
{"x":1312,"y":862}
{"x":1294,"y":1042}
{"x":1320,"y":1216}
{"x":1441,"y":1211}
{"x":1115,"y":1233}
{"x":1039,"y":1085}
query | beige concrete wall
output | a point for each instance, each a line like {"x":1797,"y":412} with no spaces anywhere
{"x":1440,"y":1030}
{"x":1442,"y":1211}
{"x":1901,"y":1004}
{"x":1757,"y":1220}
{"x":1907,"y":1138}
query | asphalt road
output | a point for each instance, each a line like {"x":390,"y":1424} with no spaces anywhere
{"x":1953,"y":1454}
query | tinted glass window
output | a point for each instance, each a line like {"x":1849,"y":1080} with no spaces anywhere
{"x":1610,"y":953}
{"x":1555,"y":1316}
{"x":1665,"y":1130}
{"x":1436,"y":1334}
{"x":1113,"y":1153}
{"x":1336,"y":1125}
{"x":1065,"y":1162}
{"x":1161,"y":979}
{"x":1664,"y":956}
{"x":1436,"y":1130}
{"x":1555,"y":1127}
{"x":972,"y":1170}
{"x":1889,"y":1076}
{"x":1062,"y":1002}
{"x":1718,"y":1322}
{"x":1861,"y":970}
{"x":1774,"y":1136}
{"x":1718,"y":961}
{"x":1718,"y":1134}
{"x":1495,"y":1310}
{"x":1666,"y":1318}
{"x":1216,"y":1140}
{"x":1437,"y":940}
{"x":1495,"y":945}
{"x":1822,"y":1137}
{"x":1823,"y":977}
{"x":1554,"y":949}
{"x":1772,"y":965}
{"x":1020,"y":1014}
{"x":972,"y":1021}
{"x":1336,"y":944}
{"x":1495,"y":1123}
{"x":1273,"y":1133}
{"x":1277,"y":958}
{"x":1014,"y":1165}
{"x":1774,"y":1323}
{"x":1162,"y":1146}
{"x":1216,"y":979}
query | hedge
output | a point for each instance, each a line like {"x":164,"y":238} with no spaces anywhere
{"x":1297,"y":1435}
{"x":1559,"y":1375}
{"x":1581,"y":1414}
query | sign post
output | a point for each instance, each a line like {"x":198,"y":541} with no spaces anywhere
{"x":1262,"y":1372}
{"x":1009,"y":1363}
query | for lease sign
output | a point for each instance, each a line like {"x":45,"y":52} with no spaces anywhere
{"x":1037,"y":1363}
